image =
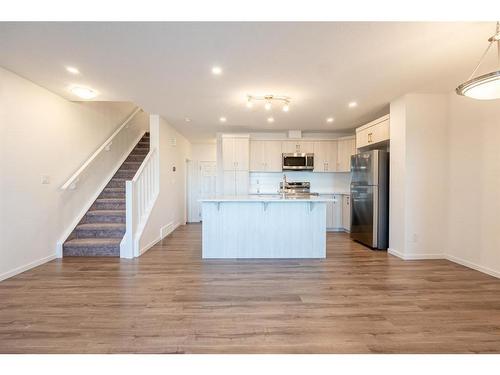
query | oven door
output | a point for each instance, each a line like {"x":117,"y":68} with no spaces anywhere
{"x":294,"y":161}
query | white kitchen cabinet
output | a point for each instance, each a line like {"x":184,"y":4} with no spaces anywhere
{"x":304,"y":147}
{"x":373,"y":133}
{"x":325,"y":156}
{"x":346,"y":148}
{"x":235,"y":161}
{"x":346,"y":213}
{"x":334,"y":213}
{"x":265,"y":156}
{"x":236,"y":182}
{"x":235,"y":153}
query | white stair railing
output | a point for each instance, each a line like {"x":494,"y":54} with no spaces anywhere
{"x":73,"y":180}
{"x":141,"y":193}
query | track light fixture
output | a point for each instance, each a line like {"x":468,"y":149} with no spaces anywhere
{"x":269,"y":101}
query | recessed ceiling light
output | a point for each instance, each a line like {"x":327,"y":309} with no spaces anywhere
{"x":330,"y":119}
{"x":84,"y":92}
{"x":216,"y":70}
{"x":270,"y":119}
{"x":352,"y":104}
{"x":72,"y":70}
{"x":187,"y":119}
{"x":222,"y":119}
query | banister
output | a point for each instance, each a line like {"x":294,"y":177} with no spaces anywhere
{"x":143,"y":165}
{"x":74,"y":178}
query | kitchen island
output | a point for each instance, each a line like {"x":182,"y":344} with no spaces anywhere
{"x":271,"y":226}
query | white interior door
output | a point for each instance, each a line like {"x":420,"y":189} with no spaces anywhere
{"x":202,"y":185}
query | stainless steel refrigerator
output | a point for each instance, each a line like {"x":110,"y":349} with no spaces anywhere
{"x":370,"y":198}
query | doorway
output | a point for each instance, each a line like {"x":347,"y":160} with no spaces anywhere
{"x":201,"y":184}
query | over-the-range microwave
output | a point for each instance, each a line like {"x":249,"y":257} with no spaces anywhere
{"x":297,"y":161}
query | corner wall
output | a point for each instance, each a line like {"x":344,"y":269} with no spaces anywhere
{"x":419,"y":181}
{"x":445,"y":180}
{"x":169,"y":210}
{"x":42,"y":134}
{"x":474,"y":194}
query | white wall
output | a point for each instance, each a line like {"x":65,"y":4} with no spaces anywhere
{"x":474,"y":180}
{"x":170,"y":207}
{"x":397,"y":176}
{"x":419,"y":182}
{"x":44,"y":134}
{"x":206,"y":151}
{"x":445,"y":180}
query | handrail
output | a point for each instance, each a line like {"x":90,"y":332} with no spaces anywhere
{"x":140,"y":195}
{"x":143,"y":165}
{"x":76,"y":175}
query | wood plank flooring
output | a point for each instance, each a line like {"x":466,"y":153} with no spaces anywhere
{"x":170,"y":301}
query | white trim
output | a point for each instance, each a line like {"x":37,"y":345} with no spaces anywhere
{"x":448,"y":257}
{"x":105,"y":146}
{"x":164,"y":232}
{"x":149,"y":245}
{"x":374,"y":122}
{"x":74,"y":223}
{"x":140,"y":230}
{"x":416,"y":256}
{"x":474,"y":266}
{"x":27,"y":267}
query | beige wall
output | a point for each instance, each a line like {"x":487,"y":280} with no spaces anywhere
{"x":44,"y":134}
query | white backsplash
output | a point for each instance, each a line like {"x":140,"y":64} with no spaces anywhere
{"x":268,"y":183}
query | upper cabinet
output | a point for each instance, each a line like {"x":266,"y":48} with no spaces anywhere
{"x":373,"y":133}
{"x":325,"y":156}
{"x":235,"y":153}
{"x":265,"y":156}
{"x":346,"y":148}
{"x":303,"y":147}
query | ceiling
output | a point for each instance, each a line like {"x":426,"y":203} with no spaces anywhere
{"x":166,"y":67}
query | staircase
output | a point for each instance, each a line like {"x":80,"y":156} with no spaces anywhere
{"x":102,"y":228}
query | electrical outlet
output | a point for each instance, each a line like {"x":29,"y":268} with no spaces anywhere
{"x":45,"y":179}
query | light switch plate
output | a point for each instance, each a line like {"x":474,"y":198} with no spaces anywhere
{"x":45,"y":179}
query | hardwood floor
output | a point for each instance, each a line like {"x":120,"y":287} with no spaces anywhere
{"x":170,"y":301}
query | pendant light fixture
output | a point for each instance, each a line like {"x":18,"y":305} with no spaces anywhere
{"x":486,"y":86}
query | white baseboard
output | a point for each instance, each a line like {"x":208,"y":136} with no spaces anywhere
{"x":149,"y":245}
{"x":26,"y":267}
{"x":164,"y":232}
{"x":415,"y":256}
{"x":91,"y":201}
{"x":451,"y":258}
{"x":474,"y":266}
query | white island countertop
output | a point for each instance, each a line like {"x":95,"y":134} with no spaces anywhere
{"x":266,"y":198}
{"x":270,"y":226}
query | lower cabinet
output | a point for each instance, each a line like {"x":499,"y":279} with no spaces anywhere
{"x":338,"y":213}
{"x":334,"y":213}
{"x":346,"y":212}
{"x":236,"y":182}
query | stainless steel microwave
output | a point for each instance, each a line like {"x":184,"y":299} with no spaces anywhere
{"x":298,"y":162}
